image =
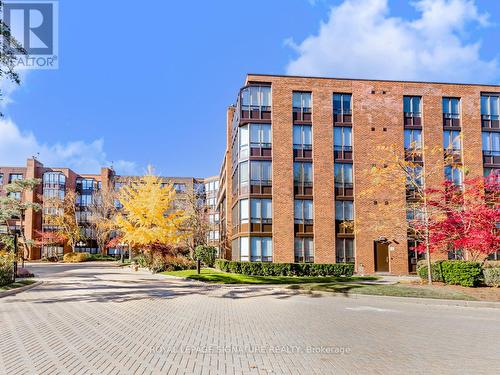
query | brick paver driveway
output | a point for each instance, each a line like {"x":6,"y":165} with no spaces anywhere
{"x":98,"y":319}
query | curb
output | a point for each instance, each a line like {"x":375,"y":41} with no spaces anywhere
{"x":21,"y":289}
{"x":424,"y":301}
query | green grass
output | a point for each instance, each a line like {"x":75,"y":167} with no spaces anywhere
{"x":17,"y":284}
{"x":396,"y":290}
{"x":219,"y":277}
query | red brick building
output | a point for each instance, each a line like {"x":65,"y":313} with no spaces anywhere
{"x":56,"y":182}
{"x":296,"y":150}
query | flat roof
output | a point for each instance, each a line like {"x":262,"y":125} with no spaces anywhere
{"x":372,"y":80}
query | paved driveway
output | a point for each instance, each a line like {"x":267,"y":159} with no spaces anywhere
{"x":97,"y":319}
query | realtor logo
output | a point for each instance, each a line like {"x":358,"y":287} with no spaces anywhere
{"x":34,"y":25}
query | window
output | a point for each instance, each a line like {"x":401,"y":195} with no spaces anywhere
{"x":243,"y":176}
{"x":15,"y":177}
{"x":54,"y":179}
{"x":414,"y":177}
{"x":301,"y":101}
{"x":256,"y":97}
{"x":261,"y":249}
{"x":85,"y":184}
{"x":244,"y":249}
{"x":216,"y":218}
{"x":302,"y":137}
{"x":1,"y":178}
{"x":413,"y":139}
{"x":302,"y":173}
{"x":344,"y":210}
{"x":303,"y":211}
{"x":451,"y":108}
{"x":261,"y":172}
{"x":243,"y":137}
{"x":342,"y":138}
{"x":244,"y":211}
{"x":261,"y":210}
{"x":52,"y":251}
{"x":84,"y":200}
{"x":344,"y":250}
{"x":490,"y":107}
{"x":491,"y":143}
{"x":343,"y":174}
{"x":453,"y":174}
{"x":179,"y":188}
{"x":414,"y":213}
{"x":304,"y":250}
{"x":53,"y":193}
{"x":412,"y":106}
{"x":15,"y":195}
{"x":342,"y":104}
{"x":260,"y":135}
{"x":452,"y":140}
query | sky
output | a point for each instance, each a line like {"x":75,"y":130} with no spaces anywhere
{"x":148,"y":83}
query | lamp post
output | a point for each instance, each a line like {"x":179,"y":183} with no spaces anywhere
{"x":80,"y":244}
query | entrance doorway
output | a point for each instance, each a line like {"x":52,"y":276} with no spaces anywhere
{"x":381,"y":256}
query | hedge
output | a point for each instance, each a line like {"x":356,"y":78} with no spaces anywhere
{"x":435,"y":267}
{"x":455,"y":272}
{"x":492,"y":276}
{"x":285,"y":269}
{"x":74,"y":257}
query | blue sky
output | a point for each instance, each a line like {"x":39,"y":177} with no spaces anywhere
{"x":149,"y":82}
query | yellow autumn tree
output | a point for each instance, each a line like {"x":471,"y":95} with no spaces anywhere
{"x":148,"y":216}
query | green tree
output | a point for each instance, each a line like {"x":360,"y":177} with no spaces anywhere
{"x":13,"y":207}
{"x":10,"y":50}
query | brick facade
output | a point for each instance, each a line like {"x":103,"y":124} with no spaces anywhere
{"x":377,"y":119}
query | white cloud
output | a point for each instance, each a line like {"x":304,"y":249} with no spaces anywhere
{"x":361,"y":40}
{"x":16,"y":146}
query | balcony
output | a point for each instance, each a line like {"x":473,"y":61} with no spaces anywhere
{"x":344,"y":228}
{"x":345,"y":189}
{"x":303,"y":226}
{"x":342,"y":117}
{"x":414,"y":155}
{"x":341,"y":153}
{"x":490,"y":122}
{"x":302,"y":114}
{"x":413,"y":120}
{"x":304,"y":259}
{"x":263,"y":187}
{"x":491,"y":159}
{"x":451,"y":121}
{"x":258,"y":225}
{"x":261,"y":150}
{"x":302,"y":151}
{"x":453,"y":156}
{"x":303,"y":188}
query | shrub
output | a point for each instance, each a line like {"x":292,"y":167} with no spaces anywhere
{"x":169,"y":263}
{"x":492,"y":276}
{"x":100,"y":257}
{"x":459,"y":272}
{"x":75,"y":257}
{"x":206,"y":254}
{"x":6,"y":268}
{"x":285,"y":269}
{"x":435,"y":273}
{"x":491,"y":264}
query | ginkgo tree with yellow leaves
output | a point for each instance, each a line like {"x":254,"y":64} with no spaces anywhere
{"x":149,"y":217}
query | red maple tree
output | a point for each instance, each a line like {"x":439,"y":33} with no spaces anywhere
{"x":466,"y":218}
